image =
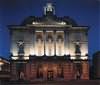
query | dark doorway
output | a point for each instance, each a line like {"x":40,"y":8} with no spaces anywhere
{"x":50,"y":75}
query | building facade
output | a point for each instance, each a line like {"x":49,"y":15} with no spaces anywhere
{"x":4,"y":69}
{"x":49,"y":48}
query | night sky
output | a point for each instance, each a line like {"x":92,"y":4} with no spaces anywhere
{"x":84,"y":12}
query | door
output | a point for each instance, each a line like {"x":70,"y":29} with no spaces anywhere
{"x":50,"y":75}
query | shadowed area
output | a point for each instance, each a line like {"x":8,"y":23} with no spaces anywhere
{"x":71,"y":82}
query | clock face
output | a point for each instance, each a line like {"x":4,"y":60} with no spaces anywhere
{"x":20,"y":43}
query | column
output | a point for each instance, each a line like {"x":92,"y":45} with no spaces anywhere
{"x":54,"y":42}
{"x":32,"y":48}
{"x":34,"y":42}
{"x":66,"y":42}
{"x":44,"y":39}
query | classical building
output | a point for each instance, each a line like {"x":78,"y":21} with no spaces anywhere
{"x":49,"y":48}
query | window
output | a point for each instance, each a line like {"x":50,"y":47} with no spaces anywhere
{"x":39,"y":45}
{"x":39,"y":71}
{"x":59,"y":45}
{"x":50,"y":42}
{"x":60,"y":71}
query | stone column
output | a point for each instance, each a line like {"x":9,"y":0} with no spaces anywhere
{"x":66,"y":42}
{"x":44,"y":39}
{"x":54,"y":42}
{"x":34,"y":39}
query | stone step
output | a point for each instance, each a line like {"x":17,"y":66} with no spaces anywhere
{"x":70,"y":82}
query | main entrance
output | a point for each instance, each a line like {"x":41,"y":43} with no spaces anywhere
{"x":50,"y":75}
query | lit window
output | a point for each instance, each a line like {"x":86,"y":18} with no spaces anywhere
{"x":26,"y":58}
{"x":1,"y":63}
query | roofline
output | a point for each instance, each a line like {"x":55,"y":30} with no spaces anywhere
{"x":5,"y":59}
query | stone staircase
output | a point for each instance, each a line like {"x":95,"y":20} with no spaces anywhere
{"x":70,"y":82}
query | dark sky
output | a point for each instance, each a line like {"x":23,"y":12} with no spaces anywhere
{"x":84,"y":12}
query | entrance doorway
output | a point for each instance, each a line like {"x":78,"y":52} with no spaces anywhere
{"x":50,"y":75}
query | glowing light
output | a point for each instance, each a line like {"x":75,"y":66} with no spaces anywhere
{"x":14,"y":58}
{"x":1,"y":63}
{"x":60,"y":48}
{"x":26,"y":58}
{"x":73,"y":58}
{"x":14,"y":52}
{"x":39,"y":31}
{"x":49,"y":7}
{"x":50,"y":50}
{"x":62,"y":23}
{"x":34,"y":23}
{"x":84,"y":58}
{"x":66,"y":51}
{"x":31,"y":52}
{"x":39,"y":50}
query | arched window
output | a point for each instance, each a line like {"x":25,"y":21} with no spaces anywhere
{"x":39,"y":41}
{"x":50,"y":42}
{"x":60,"y":72}
{"x":59,"y":42}
{"x":39,"y":71}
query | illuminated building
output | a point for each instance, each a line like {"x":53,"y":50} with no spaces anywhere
{"x":4,"y":69}
{"x":49,"y":48}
